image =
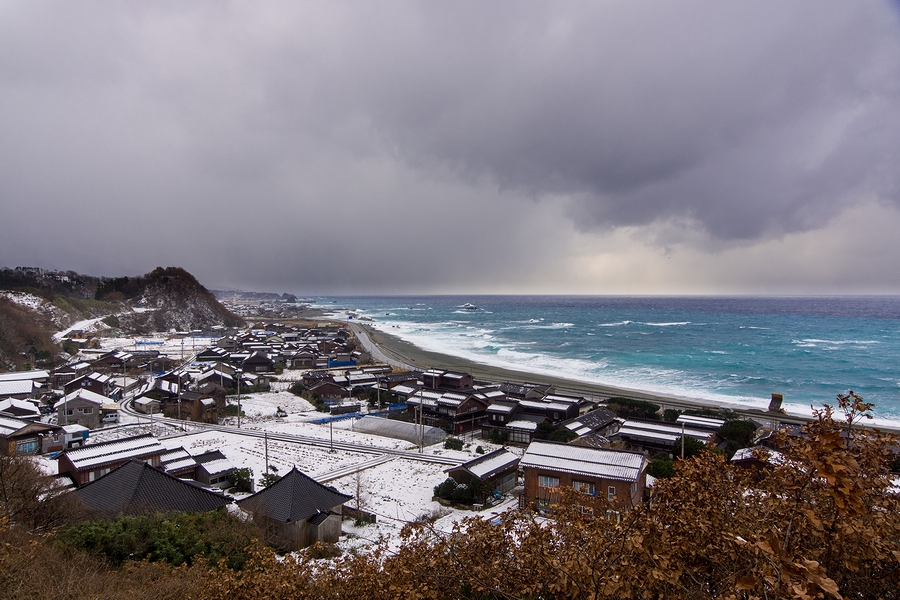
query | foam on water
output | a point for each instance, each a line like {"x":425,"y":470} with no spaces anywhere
{"x":728,"y":350}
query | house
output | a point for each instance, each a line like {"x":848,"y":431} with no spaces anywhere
{"x":297,"y":511}
{"x":213,"y":468}
{"x":67,"y":373}
{"x":21,"y":409}
{"x":178,"y":463}
{"x":328,"y":391}
{"x":137,"y":487}
{"x":18,"y":389}
{"x":497,"y":469}
{"x":455,"y":412}
{"x":437,"y":379}
{"x":95,"y":382}
{"x":655,"y":436}
{"x":553,"y":411}
{"x":80,"y":406}
{"x":199,"y":407}
{"x":601,"y":421}
{"x":93,"y":461}
{"x":301,"y":359}
{"x":523,"y":429}
{"x":617,"y":476}
{"x":39,"y":377}
{"x":213,"y":354}
{"x":258,"y":362}
{"x":18,"y":436}
{"x":147,"y":405}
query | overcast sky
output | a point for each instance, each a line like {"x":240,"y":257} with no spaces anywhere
{"x":496,"y":147}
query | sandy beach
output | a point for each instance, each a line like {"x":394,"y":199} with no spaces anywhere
{"x":392,"y":350}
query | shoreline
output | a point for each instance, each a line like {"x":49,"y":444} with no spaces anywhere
{"x":393,"y":350}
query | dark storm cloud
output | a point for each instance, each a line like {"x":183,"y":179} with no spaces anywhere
{"x":401,"y":146}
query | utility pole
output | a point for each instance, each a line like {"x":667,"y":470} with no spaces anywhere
{"x":331,"y":431}
{"x":421,"y":423}
{"x":266,"y":438}
{"x":682,"y":441}
{"x":238,"y":373}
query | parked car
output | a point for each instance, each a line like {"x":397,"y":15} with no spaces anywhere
{"x":110,"y":418}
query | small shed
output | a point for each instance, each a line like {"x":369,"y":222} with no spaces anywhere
{"x":297,"y":511}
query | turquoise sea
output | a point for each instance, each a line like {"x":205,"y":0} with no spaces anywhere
{"x":734,"y":350}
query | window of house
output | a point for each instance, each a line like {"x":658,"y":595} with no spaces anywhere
{"x":70,"y":412}
{"x":613,"y":515}
{"x":611,"y":493}
{"x":545,"y":481}
{"x":27,"y":447}
{"x":634,"y":487}
{"x":585,"y":487}
{"x":87,"y":411}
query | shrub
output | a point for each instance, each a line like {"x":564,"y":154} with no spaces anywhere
{"x":499,"y":436}
{"x":453,"y":444}
{"x":479,"y":450}
{"x":661,"y":467}
{"x":633,"y":409}
{"x":462,"y":494}
{"x":445,"y":490}
{"x":562,"y":434}
{"x":241,"y":480}
{"x":738,"y":431}
{"x":176,"y":538}
{"x":692,"y":447}
{"x":670,"y":415}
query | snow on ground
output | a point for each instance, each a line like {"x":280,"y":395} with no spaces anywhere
{"x":37,"y":304}
{"x":86,"y":325}
{"x":172,"y":346}
{"x":398,"y":491}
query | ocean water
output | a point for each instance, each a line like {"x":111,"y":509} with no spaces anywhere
{"x":731,"y":350}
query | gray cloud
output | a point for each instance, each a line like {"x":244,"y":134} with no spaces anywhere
{"x":430,"y":146}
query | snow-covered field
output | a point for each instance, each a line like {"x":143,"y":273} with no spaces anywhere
{"x":398,"y":491}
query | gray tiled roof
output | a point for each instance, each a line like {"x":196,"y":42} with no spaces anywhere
{"x":294,"y":497}
{"x":137,"y":487}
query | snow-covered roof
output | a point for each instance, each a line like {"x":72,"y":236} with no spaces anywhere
{"x":24,"y":376}
{"x":706,"y":422}
{"x":490,"y":464}
{"x":665,"y":428}
{"x":217,"y":467}
{"x":82,"y":394}
{"x":10,"y":425}
{"x":501,"y":408}
{"x":94,"y":455}
{"x":22,"y":405}
{"x":15,"y":387}
{"x":526,"y":425}
{"x":582,"y":460}
{"x":557,"y":406}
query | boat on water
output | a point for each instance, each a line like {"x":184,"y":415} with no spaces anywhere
{"x":469,"y":306}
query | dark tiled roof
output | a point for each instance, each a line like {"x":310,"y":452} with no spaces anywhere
{"x":294,"y":497}
{"x":137,"y":487}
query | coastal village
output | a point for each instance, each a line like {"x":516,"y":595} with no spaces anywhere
{"x":147,"y":428}
{"x":295,"y":426}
